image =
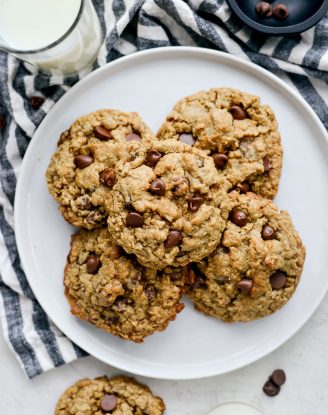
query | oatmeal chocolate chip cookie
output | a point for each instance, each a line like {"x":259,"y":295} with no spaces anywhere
{"x":237,"y":131}
{"x":110,"y":289}
{"x":257,"y":266}
{"x":164,"y":207}
{"x":81,"y":171}
{"x":118,"y":396}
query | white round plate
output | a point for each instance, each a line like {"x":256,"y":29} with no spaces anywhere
{"x":150,"y":82}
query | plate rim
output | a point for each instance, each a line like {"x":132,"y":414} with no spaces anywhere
{"x":180,"y":51}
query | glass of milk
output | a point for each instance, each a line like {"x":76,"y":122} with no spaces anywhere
{"x":58,"y":36}
{"x":235,"y":408}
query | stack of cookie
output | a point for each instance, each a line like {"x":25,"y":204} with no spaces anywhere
{"x":188,"y":211}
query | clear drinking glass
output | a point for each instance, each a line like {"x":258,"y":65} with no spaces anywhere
{"x":235,"y":408}
{"x":73,"y":51}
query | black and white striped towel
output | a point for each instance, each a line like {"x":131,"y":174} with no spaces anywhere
{"x":130,"y":25}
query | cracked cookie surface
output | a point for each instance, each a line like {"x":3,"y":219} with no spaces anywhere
{"x":111,"y":290}
{"x":257,"y":266}
{"x":164,"y":206}
{"x":81,"y":174}
{"x":237,"y":131}
{"x":120,"y":395}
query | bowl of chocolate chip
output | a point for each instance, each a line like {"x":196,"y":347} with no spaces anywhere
{"x":279,"y":17}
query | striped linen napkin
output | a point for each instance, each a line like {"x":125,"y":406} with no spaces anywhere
{"x":129,"y":26}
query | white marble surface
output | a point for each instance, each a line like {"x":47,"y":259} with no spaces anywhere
{"x":304,"y":358}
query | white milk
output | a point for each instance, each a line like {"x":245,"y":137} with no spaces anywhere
{"x":29,"y":25}
{"x":34,"y":24}
{"x":235,"y":408}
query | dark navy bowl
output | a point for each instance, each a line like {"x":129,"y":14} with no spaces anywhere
{"x":303,"y":14}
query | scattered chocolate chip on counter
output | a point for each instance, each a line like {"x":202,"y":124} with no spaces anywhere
{"x":2,"y":122}
{"x":36,"y":101}
{"x":278,"y":377}
{"x":273,"y":385}
{"x":271,"y":389}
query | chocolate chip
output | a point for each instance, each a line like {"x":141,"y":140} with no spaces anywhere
{"x":93,"y":264}
{"x":190,"y":276}
{"x":134,"y":220}
{"x":199,"y":282}
{"x":181,"y":187}
{"x":133,"y":137}
{"x":102,"y":133}
{"x":187,"y":138}
{"x":220,"y":160}
{"x":225,"y":249}
{"x":82,"y":161}
{"x":151,"y":293}
{"x":2,"y":122}
{"x":135,"y":278}
{"x":270,"y":388}
{"x":36,"y":101}
{"x":239,"y":217}
{"x":108,"y":403}
{"x":195,"y":203}
{"x":268,"y":233}
{"x":176,"y":276}
{"x":157,"y":187}
{"x":221,"y":280}
{"x":179,"y":307}
{"x":83,"y":202}
{"x":280,"y":11}
{"x":278,"y":377}
{"x":94,"y":217}
{"x":107,"y":177}
{"x":266,"y":164}
{"x":278,"y":280}
{"x":244,"y":145}
{"x":243,"y":187}
{"x":263,"y":9}
{"x":112,"y":320}
{"x":153,"y":157}
{"x":194,"y":277}
{"x":64,"y":136}
{"x":238,"y":112}
{"x":173,"y":239}
{"x":245,"y":285}
{"x":120,"y":303}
